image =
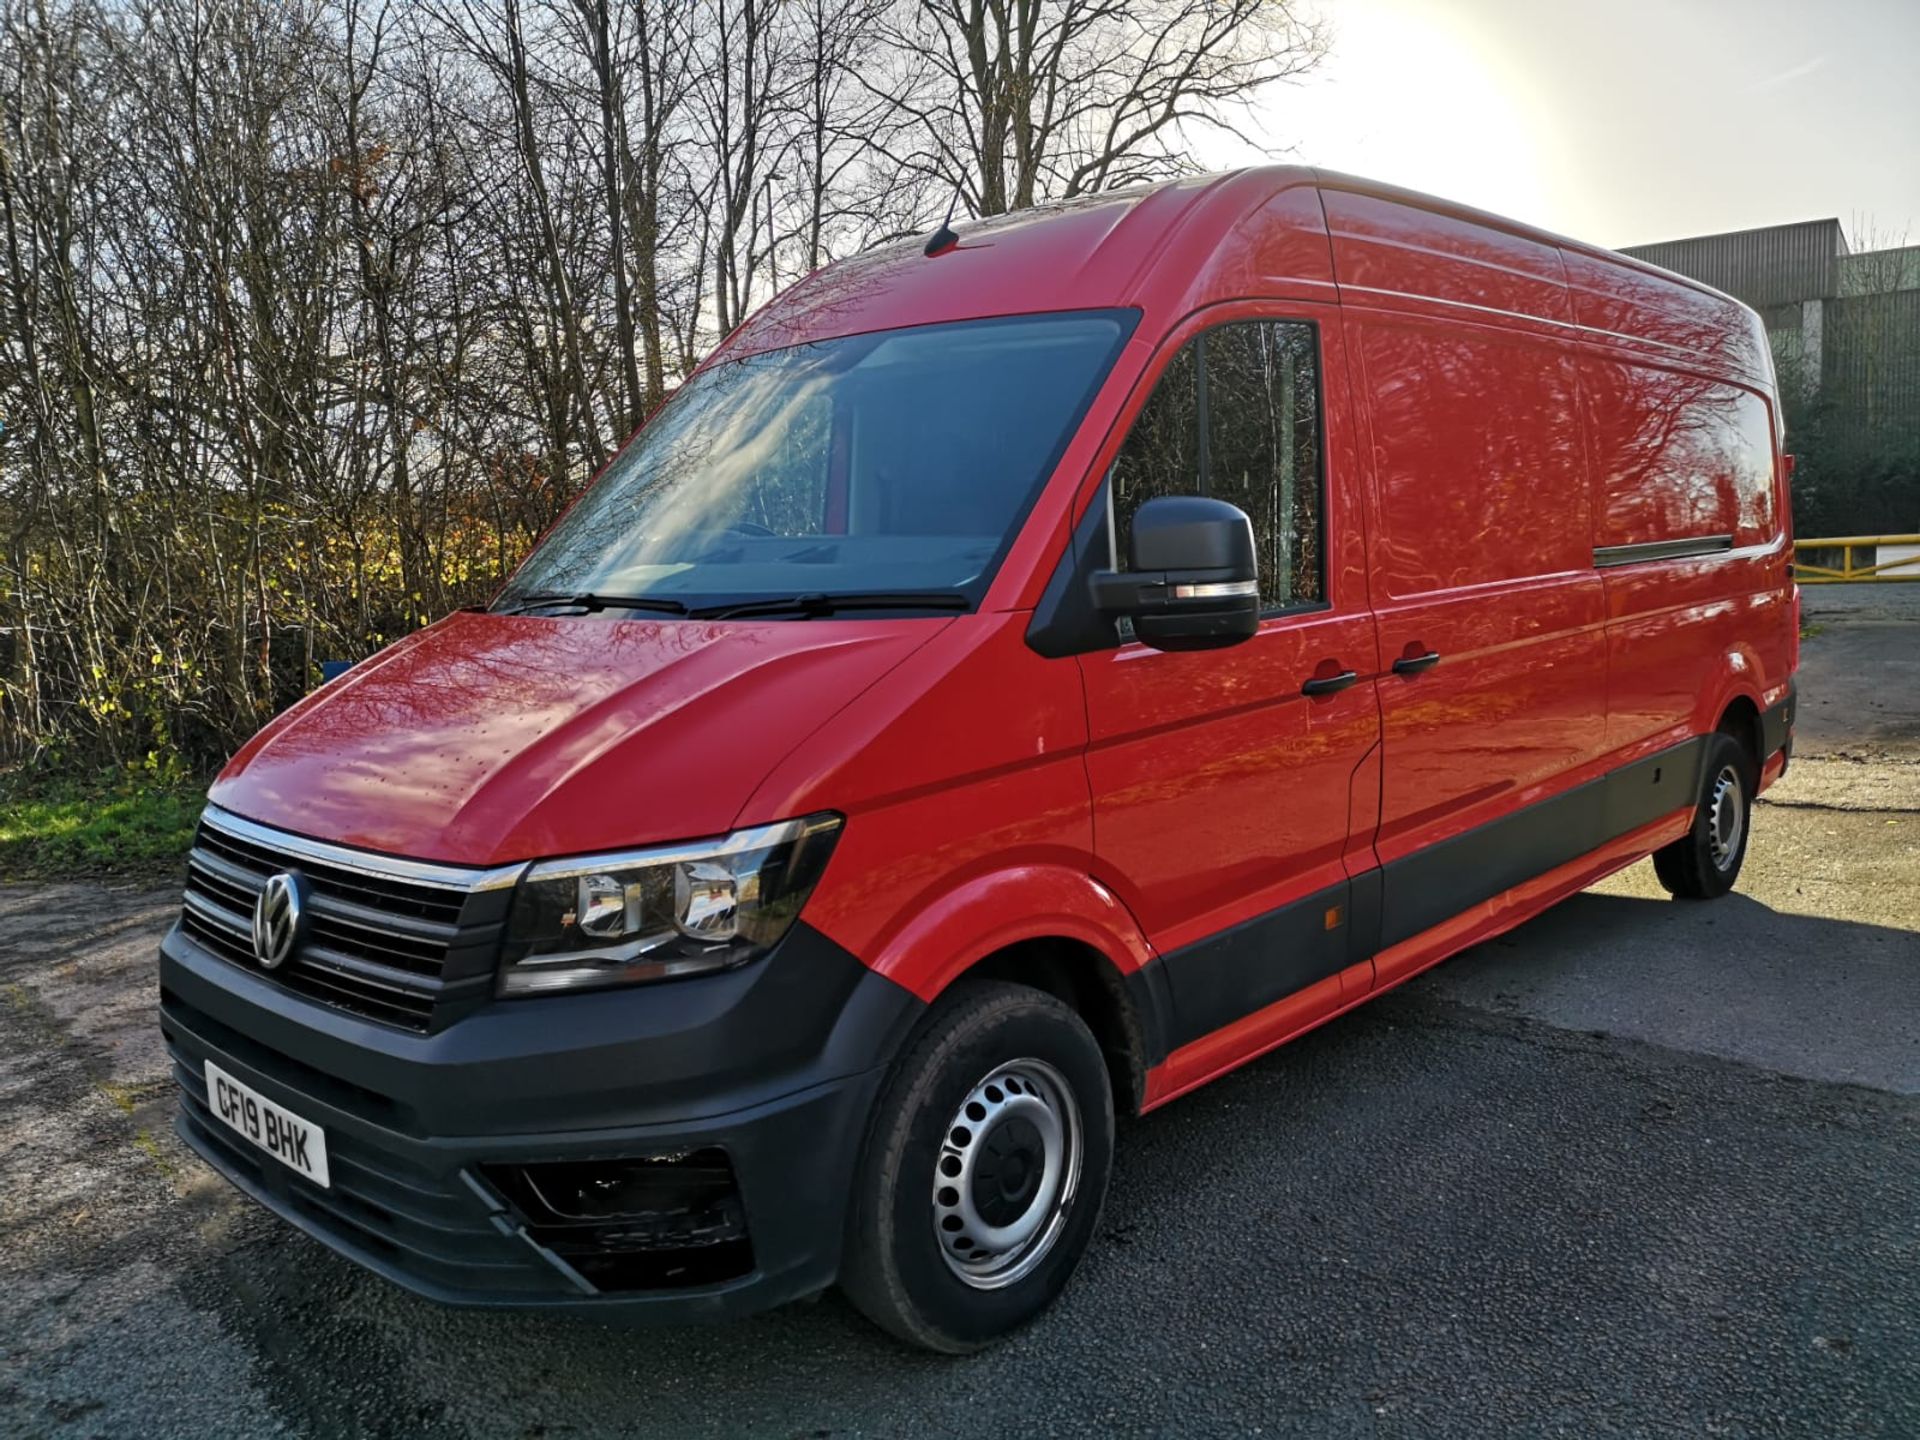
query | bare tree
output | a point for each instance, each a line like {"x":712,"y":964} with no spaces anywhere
{"x":1020,"y":100}
{"x":847,"y":185}
{"x":313,"y":313}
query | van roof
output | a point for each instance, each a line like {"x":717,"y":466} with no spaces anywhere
{"x":1086,"y":253}
{"x":1182,"y":243}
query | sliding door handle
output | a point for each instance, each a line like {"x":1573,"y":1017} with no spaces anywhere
{"x":1414,"y":664}
{"x":1327,"y":684}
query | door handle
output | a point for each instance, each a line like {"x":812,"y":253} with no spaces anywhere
{"x":1414,"y":664}
{"x":1327,"y":684}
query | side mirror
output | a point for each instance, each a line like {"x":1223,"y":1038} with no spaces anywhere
{"x":1191,"y":581}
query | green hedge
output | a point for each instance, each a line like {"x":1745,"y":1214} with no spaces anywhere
{"x":109,"y":825}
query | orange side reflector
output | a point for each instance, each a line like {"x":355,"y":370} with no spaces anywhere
{"x":1333,"y":917}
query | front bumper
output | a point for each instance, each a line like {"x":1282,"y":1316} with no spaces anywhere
{"x":775,"y":1064}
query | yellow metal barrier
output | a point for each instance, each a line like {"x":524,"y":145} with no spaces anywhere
{"x":1807,"y":573}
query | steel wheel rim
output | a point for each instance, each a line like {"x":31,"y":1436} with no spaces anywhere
{"x":1726,"y":817}
{"x":1007,"y":1173}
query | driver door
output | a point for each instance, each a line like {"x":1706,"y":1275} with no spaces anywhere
{"x":1236,"y":791}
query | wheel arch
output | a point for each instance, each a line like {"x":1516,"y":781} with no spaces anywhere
{"x":1089,"y":984}
{"x":1732,"y":702}
{"x":1059,"y":930}
{"x":1740,"y":718}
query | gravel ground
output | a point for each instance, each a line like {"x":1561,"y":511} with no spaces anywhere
{"x":1637,"y":1168}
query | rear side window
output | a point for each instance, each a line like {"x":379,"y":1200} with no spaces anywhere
{"x":1477,"y":456}
{"x":1236,"y":415}
{"x":1677,"y":456}
{"x":1750,"y":442}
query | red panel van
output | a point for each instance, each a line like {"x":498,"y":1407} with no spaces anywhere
{"x":1013,"y":682}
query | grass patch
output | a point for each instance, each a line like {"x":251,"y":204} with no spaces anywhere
{"x":163,"y":1162}
{"x":134,"y":826}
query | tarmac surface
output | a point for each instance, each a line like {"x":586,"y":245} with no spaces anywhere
{"x":1637,"y":1168}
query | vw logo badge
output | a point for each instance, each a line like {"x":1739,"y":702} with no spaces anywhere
{"x":277,"y":919}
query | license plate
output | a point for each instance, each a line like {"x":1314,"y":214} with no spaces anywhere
{"x":298,"y":1144}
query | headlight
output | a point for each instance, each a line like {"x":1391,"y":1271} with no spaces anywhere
{"x":654,"y":914}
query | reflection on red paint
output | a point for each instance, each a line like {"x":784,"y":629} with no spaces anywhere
{"x":1494,"y":404}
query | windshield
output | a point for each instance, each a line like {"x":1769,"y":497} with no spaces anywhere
{"x":895,"y":463}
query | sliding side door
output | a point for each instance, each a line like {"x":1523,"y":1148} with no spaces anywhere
{"x":1492,"y":619}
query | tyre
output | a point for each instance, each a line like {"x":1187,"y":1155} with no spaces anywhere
{"x":1704,"y":863}
{"x":984,"y":1170}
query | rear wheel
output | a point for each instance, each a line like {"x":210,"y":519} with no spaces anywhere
{"x":1705,"y":862}
{"x":983,"y":1177}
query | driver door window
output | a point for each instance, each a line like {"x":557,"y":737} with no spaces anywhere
{"x":1236,"y":415}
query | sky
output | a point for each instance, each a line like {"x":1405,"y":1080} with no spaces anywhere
{"x":1626,"y":121}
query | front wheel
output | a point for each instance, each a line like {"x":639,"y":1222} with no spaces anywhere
{"x":1704,"y":863}
{"x":985,"y":1171}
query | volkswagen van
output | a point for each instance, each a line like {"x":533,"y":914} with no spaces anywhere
{"x":1017,"y":679}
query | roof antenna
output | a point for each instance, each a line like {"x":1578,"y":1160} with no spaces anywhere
{"x":946,"y":235}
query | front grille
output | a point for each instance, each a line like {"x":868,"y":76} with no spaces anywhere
{"x":402,"y":942}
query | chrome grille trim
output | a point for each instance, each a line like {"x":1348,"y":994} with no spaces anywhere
{"x":461,"y":878}
{"x":383,"y":931}
{"x":239,"y":926}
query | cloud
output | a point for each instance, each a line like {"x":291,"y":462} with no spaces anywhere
{"x":1787,"y":77}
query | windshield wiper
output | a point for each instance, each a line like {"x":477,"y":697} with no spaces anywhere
{"x":809,"y":606}
{"x":590,"y":601}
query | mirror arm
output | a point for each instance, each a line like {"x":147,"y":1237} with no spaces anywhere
{"x":1126,"y":592}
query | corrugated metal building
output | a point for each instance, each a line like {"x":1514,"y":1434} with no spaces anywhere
{"x":1845,"y":326}
{"x":1780,"y":265}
